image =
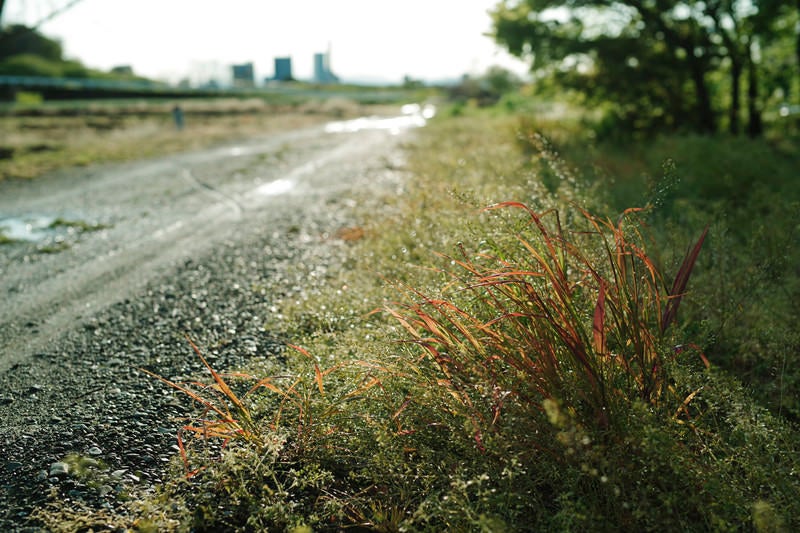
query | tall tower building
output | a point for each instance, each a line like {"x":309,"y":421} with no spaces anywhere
{"x":322,"y":68}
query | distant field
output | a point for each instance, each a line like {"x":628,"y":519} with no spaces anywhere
{"x":42,"y":138}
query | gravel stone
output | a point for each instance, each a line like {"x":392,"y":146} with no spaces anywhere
{"x":59,"y":469}
{"x":94,"y":450}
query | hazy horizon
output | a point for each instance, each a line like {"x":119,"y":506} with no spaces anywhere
{"x":369,"y":40}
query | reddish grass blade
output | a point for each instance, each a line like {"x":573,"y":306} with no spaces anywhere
{"x":402,"y":408}
{"x":598,"y":321}
{"x":223,"y":387}
{"x":317,"y":371}
{"x":365,"y":387}
{"x":182,"y":450}
{"x":190,"y":393}
{"x":267,"y":384}
{"x":681,"y":348}
{"x":679,"y":285}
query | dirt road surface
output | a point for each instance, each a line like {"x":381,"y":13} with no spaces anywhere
{"x":114,"y":265}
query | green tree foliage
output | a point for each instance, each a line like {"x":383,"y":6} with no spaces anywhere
{"x":26,"y":52}
{"x":486,"y":89}
{"x":20,"y":40}
{"x":664,"y":64}
{"x":33,"y":65}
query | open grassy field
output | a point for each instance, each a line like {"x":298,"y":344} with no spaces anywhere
{"x":612,"y":346}
{"x":42,"y":138}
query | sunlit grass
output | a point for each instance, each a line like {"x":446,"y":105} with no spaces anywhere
{"x":577,"y":316}
{"x":530,"y":369}
{"x":509,"y":345}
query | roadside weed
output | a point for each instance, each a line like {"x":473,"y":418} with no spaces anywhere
{"x":577,"y":316}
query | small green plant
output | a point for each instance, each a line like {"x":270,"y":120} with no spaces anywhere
{"x":77,"y":225}
{"x":224,"y":415}
{"x":280,"y":451}
{"x":228,"y":416}
{"x":5,"y":239}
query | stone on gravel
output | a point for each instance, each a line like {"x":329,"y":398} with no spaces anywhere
{"x":59,"y":469}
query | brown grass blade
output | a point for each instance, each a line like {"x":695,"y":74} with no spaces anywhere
{"x":188,"y":392}
{"x":317,"y":371}
{"x":267,"y":384}
{"x":223,"y":386}
{"x":365,"y":387}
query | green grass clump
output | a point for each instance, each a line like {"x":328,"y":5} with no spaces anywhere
{"x":557,"y":361}
{"x":553,"y":318}
{"x":744,"y":305}
{"x":556,"y":355}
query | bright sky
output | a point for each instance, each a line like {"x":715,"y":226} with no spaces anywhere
{"x":200,"y":39}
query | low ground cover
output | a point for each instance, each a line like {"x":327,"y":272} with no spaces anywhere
{"x":609,"y":346}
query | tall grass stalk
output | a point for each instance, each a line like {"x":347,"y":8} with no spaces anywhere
{"x":580,"y":317}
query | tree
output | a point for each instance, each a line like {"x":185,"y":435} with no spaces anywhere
{"x":657,"y":60}
{"x":486,"y":89}
{"x":18,"y":40}
{"x":26,"y":52}
{"x":747,"y":30}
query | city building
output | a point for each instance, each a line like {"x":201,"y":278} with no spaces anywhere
{"x":322,"y":69}
{"x":243,"y":75}
{"x":283,"y":69}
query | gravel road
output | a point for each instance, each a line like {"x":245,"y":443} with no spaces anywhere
{"x":123,"y":261}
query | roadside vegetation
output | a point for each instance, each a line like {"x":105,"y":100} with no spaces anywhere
{"x":611,"y":344}
{"x":578,"y":313}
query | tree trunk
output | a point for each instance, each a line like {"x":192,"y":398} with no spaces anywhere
{"x":755,"y":126}
{"x":734,"y":125}
{"x":797,"y":50}
{"x":705,"y":113}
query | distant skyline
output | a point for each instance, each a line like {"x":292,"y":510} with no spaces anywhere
{"x":370,"y":40}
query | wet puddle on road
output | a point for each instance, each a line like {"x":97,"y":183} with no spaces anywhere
{"x":30,"y":228}
{"x":37,"y":228}
{"x":413,"y":116}
{"x":274,"y":188}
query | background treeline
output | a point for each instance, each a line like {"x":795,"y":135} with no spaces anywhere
{"x":26,"y":52}
{"x":657,"y":65}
